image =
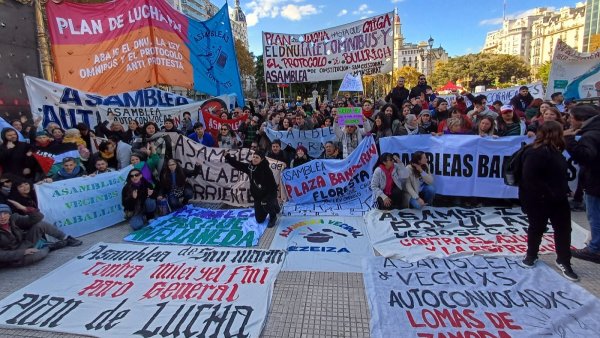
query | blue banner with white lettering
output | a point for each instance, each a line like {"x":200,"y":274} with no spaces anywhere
{"x":313,"y":140}
{"x":213,"y":56}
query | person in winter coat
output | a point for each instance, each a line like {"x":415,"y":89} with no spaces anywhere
{"x":139,"y":199}
{"x":300,"y":158}
{"x":15,"y":156}
{"x":70,"y":169}
{"x":583,"y":144}
{"x":23,"y":193}
{"x":422,"y":89}
{"x":349,"y":136}
{"x":399,"y":94}
{"x":509,"y":123}
{"x":22,"y":236}
{"x":543,"y":191}
{"x":521,"y":101}
{"x":387,"y":181}
{"x":263,"y":186}
{"x":418,"y":187}
{"x":173,"y":184}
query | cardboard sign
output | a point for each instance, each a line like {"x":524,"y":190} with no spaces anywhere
{"x":350,"y":116}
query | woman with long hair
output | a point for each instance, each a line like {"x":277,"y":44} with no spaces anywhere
{"x":543,"y":191}
{"x":139,"y":199}
{"x":227,"y":137}
{"x":509,"y":123}
{"x":23,"y":193}
{"x":174,"y":186}
{"x":132,"y":132}
{"x":549,"y":114}
{"x":418,"y":188}
{"x":485,"y":126}
{"x":387,"y":181}
{"x":381,"y":127}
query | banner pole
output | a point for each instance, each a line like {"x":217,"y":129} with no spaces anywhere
{"x":43,"y":46}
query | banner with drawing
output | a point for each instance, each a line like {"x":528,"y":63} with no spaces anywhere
{"x":118,"y":46}
{"x":82,"y":205}
{"x":411,"y":234}
{"x":152,"y":291}
{"x":218,"y":181}
{"x":576,"y":75}
{"x":475,"y":297}
{"x":213,"y":123}
{"x":199,"y":226}
{"x":360,"y":47}
{"x":328,"y":244}
{"x":313,"y":140}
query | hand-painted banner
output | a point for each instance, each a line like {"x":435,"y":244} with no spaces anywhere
{"x":328,"y":244}
{"x":313,"y":140}
{"x":576,"y":75}
{"x":199,"y":226}
{"x":115,"y":47}
{"x":343,"y":182}
{"x":152,"y":291}
{"x":361,"y":47}
{"x":462,"y":165}
{"x":356,"y":207}
{"x":82,"y":205}
{"x":351,"y":83}
{"x":218,"y":181}
{"x":350,"y":116}
{"x":441,"y":232}
{"x":479,"y":297}
{"x":536,"y":90}
{"x":213,"y":123}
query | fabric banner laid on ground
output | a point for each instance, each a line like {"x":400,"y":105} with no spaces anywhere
{"x":361,"y":47}
{"x":313,"y":140}
{"x":462,"y":165}
{"x":82,"y":205}
{"x":411,"y":234}
{"x":328,"y":244}
{"x":218,"y":181}
{"x":344,"y":182}
{"x":478,"y":297}
{"x":152,"y":291}
{"x":359,"y":208}
{"x":536,"y":90}
{"x":576,"y":75}
{"x":199,"y":226}
{"x":111,"y":47}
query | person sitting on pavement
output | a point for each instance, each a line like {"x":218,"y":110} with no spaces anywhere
{"x":418,"y":188}
{"x":387,"y":182}
{"x":23,"y":193}
{"x":70,"y":169}
{"x":22,"y":236}
{"x":139,"y":199}
{"x":174,"y":186}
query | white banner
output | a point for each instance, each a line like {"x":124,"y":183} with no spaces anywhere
{"x":576,"y":75}
{"x":361,"y":47}
{"x":536,"y":90}
{"x":328,"y":244}
{"x":411,"y":234}
{"x":82,"y":205}
{"x":218,"y":181}
{"x":478,"y":297}
{"x":357,"y":208}
{"x":351,"y":83}
{"x":125,"y":290}
{"x":313,"y":140}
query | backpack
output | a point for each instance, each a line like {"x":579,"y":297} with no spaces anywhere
{"x":512,"y":167}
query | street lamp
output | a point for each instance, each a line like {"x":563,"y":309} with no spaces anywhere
{"x":430,"y":55}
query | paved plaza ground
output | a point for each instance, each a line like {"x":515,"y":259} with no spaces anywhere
{"x":304,"y":304}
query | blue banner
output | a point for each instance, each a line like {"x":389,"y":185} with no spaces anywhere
{"x":312,"y":140}
{"x":213,"y":56}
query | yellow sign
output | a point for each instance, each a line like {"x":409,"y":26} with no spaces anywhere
{"x":594,"y":42}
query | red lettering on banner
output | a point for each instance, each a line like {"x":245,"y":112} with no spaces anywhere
{"x":465,"y":334}
{"x":437,"y":318}
{"x":316,"y":37}
{"x":198,"y":291}
{"x":125,"y":270}
{"x":502,"y":320}
{"x":99,"y":288}
{"x":306,"y":186}
{"x":377,"y":23}
{"x":278,"y":39}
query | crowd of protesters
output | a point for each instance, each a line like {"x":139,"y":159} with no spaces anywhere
{"x":157,"y":180}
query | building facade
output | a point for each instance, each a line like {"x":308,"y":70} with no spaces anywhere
{"x":591,"y":31}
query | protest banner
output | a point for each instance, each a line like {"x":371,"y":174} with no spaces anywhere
{"x":213,"y":123}
{"x":346,"y":182}
{"x":576,"y":75}
{"x":328,"y":244}
{"x":109,"y":48}
{"x":361,"y":47}
{"x":350,"y":116}
{"x":313,"y":140}
{"x":357,"y":207}
{"x":475,"y":297}
{"x":411,"y":234}
{"x":218,"y":181}
{"x":125,"y":290}
{"x":351,"y":83}
{"x":536,"y":90}
{"x":198,"y":226}
{"x":82,"y":205}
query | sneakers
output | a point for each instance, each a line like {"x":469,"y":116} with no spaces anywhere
{"x":72,"y":241}
{"x":586,"y":254}
{"x":272,"y":221}
{"x":567,"y":271}
{"x":69,"y":241}
{"x":529,"y":261}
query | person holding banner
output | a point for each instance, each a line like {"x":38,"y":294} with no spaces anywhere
{"x":227,"y":137}
{"x":263,"y":186}
{"x":418,"y":188}
{"x":139,"y":199}
{"x":174,"y":186}
{"x":387,"y":181}
{"x":543,"y":191}
{"x":509,"y":123}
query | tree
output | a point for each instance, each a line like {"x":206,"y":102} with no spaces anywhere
{"x":543,"y":73}
{"x":245,"y":59}
{"x":410,"y":74}
{"x":480,"y":69}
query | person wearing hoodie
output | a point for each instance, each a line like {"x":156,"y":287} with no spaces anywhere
{"x":583,"y":144}
{"x":480,"y":110}
{"x":15,"y":156}
{"x":22,"y":236}
{"x":70,"y":169}
{"x":422,"y":89}
{"x":263,"y":186}
{"x":521,"y":101}
{"x":300,"y":158}
{"x":139,"y":199}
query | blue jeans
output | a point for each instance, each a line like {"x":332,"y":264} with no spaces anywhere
{"x":137,"y":221}
{"x":428,"y":193}
{"x":592,"y":203}
{"x":175,"y":202}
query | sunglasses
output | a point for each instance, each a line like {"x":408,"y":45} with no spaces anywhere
{"x":135,"y":175}
{"x":5,"y":181}
{"x":224,"y":129}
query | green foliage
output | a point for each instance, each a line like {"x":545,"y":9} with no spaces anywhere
{"x":410,"y":74}
{"x":543,"y":73}
{"x":480,"y":69}
{"x":245,"y":59}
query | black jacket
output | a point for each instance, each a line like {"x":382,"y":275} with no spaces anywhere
{"x":418,"y":89}
{"x":262,"y":181}
{"x":543,"y":176}
{"x":586,"y":152}
{"x":15,"y":159}
{"x":13,"y":243}
{"x":521,"y":103}
{"x":397,"y":96}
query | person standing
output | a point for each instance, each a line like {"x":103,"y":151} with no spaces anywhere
{"x":543,"y":191}
{"x":263,"y":186}
{"x":399,"y":94}
{"x":583,"y":144}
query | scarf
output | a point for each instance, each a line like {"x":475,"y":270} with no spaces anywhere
{"x":389,"y":181}
{"x":77,"y":140}
{"x":411,"y":130}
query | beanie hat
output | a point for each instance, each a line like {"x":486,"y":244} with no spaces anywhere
{"x":441,"y":100}
{"x":303,"y":148}
{"x":41,"y":133}
{"x":425,"y":112}
{"x":5,"y":208}
{"x":260,"y":153}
